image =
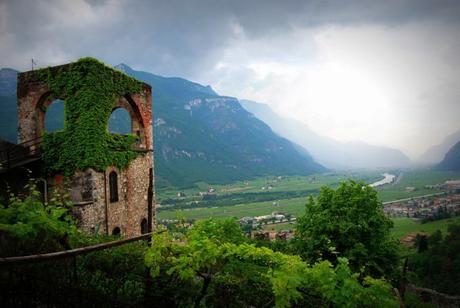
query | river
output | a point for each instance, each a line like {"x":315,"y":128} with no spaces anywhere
{"x":388,"y":178}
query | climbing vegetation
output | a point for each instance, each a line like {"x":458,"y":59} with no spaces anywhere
{"x":90,"y":90}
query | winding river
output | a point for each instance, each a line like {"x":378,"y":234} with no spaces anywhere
{"x":388,"y":178}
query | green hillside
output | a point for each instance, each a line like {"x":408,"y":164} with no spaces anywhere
{"x":199,"y":135}
{"x":452,"y":159}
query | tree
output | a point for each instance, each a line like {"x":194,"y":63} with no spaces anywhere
{"x":421,"y":242}
{"x":348,"y":222}
{"x":437,"y":266}
{"x":215,"y":257}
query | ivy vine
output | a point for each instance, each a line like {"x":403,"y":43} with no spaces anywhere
{"x":90,"y":90}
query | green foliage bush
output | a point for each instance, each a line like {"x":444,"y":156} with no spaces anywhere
{"x":215,"y":257}
{"x":212,"y":264}
{"x":118,"y":273}
{"x":90,"y":90}
{"x":28,"y":226}
{"x":111,"y":277}
{"x":348,"y":222}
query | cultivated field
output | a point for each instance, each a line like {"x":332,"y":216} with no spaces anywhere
{"x":417,"y":179}
{"x":294,"y":206}
{"x":286,"y":194}
{"x":300,"y":187}
{"x":278,"y":184}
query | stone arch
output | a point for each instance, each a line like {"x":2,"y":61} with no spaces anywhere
{"x":120,"y":122}
{"x":137,"y":124}
{"x":42,"y":105}
{"x":54,"y":116}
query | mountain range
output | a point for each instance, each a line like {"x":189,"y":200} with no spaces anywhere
{"x":451,"y":160}
{"x":203,"y":136}
{"x":9,"y":113}
{"x":436,"y":153}
{"x":327,"y":151}
{"x":199,"y":135}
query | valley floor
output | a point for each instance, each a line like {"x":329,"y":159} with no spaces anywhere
{"x":289,"y":194}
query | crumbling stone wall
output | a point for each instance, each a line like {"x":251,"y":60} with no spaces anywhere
{"x":87,"y":193}
{"x":89,"y":189}
{"x":98,"y":213}
{"x":33,"y":97}
{"x":131,"y":208}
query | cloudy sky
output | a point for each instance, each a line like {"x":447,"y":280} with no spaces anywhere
{"x":383,"y":72}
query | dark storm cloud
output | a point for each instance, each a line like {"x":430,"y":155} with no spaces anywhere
{"x":272,"y":51}
{"x":178,"y":37}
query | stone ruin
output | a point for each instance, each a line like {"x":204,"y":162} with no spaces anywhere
{"x":114,"y":201}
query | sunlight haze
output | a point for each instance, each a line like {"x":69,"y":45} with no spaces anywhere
{"x":384,"y":73}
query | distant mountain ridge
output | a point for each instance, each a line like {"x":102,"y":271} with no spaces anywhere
{"x":9,"y":113}
{"x":8,"y":81}
{"x":168,"y":83}
{"x":327,"y":151}
{"x":451,"y":160}
{"x":199,"y":135}
{"x":436,"y":153}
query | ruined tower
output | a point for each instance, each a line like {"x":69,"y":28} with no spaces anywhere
{"x":108,"y":177}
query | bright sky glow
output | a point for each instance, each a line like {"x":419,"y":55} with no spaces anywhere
{"x":380,"y":85}
{"x":343,"y":99}
{"x":381,"y":72}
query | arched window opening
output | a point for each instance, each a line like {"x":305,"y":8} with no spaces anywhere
{"x":116,"y":231}
{"x":113,"y":186}
{"x":120,"y":122}
{"x":54,"y":116}
{"x":144,"y":227}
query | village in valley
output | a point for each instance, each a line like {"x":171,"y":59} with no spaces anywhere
{"x":443,"y":203}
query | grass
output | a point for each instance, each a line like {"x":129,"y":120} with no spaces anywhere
{"x":404,"y":226}
{"x":295,"y":206}
{"x":278,"y":184}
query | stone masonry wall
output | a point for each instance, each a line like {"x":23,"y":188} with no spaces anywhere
{"x":127,"y":213}
{"x":90,"y":190}
{"x":32,"y":100}
{"x":132,"y":206}
{"x":87,"y":194}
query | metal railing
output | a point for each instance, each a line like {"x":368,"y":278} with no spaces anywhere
{"x":16,"y":154}
{"x":73,"y":252}
{"x":79,"y":277}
